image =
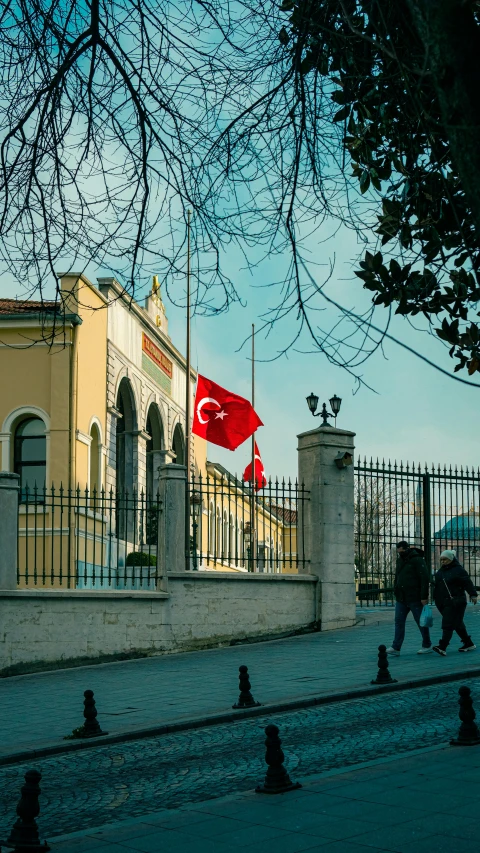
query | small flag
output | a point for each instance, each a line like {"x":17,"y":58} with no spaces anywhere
{"x":260,"y":478}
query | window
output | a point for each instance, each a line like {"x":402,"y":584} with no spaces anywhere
{"x":95,"y":478}
{"x":231,"y":542}
{"x":178,"y":445}
{"x":211,"y":531}
{"x":225,"y":555}
{"x":218,"y":535}
{"x":30,"y":458}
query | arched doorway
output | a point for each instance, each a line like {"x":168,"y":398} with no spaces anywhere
{"x":126,"y":426}
{"x":155,"y":443}
{"x":178,"y":445}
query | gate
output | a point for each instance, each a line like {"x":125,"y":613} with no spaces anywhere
{"x":433,"y":509}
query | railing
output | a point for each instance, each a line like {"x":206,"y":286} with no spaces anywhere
{"x":78,"y":539}
{"x":222,"y":509}
{"x":433,"y":509}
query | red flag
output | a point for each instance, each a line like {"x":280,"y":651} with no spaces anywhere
{"x":222,"y":417}
{"x":260,"y":478}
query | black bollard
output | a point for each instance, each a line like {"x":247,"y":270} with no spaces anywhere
{"x":91,"y":726}
{"x":383,"y":675}
{"x":277,"y":780}
{"x":245,"y":700}
{"x":24,"y":835}
{"x":468,"y":733}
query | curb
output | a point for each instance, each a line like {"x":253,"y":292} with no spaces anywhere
{"x":93,"y":832}
{"x":229,"y":717}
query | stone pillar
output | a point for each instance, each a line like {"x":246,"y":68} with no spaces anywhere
{"x":9,"y":486}
{"x":325,"y":526}
{"x":171,"y":524}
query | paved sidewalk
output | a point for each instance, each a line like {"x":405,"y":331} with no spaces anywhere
{"x":38,"y":710}
{"x":424,"y":803}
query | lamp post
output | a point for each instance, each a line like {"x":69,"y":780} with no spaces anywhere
{"x":335,"y":404}
{"x":196,"y":504}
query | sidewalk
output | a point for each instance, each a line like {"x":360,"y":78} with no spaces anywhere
{"x":38,"y":710}
{"x":424,"y":803}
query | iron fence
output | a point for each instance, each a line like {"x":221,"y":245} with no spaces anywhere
{"x":81,"y":539}
{"x":222,"y":509}
{"x":432,"y":508}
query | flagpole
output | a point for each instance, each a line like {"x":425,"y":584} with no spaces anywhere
{"x":187,"y":408}
{"x":253,"y":478}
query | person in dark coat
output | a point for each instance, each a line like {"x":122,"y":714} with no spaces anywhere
{"x":411,"y":588}
{"x":451,"y":583}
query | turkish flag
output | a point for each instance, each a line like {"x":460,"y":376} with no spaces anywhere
{"x":260,"y":478}
{"x":222,"y":417}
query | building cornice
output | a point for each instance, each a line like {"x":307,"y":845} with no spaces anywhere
{"x":38,"y":319}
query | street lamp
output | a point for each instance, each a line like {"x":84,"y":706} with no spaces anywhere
{"x":196,"y":504}
{"x":335,"y":404}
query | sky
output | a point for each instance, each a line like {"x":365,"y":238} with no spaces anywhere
{"x":413,"y":413}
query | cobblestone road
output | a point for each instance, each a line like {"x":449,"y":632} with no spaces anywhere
{"x":99,"y":785}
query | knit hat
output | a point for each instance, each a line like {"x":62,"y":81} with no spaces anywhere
{"x":449,"y":555}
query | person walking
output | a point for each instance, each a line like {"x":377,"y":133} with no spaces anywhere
{"x":411,"y":588}
{"x":451,"y":583}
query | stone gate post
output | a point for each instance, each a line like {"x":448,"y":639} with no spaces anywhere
{"x":9,"y":486}
{"x":325,"y":524}
{"x":171,"y":522}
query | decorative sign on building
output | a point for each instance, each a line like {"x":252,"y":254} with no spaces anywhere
{"x":156,"y":364}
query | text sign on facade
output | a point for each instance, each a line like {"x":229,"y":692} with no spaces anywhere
{"x":157,"y":355}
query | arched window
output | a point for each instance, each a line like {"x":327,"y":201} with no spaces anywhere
{"x":30,"y":457}
{"x":231,"y":542}
{"x":95,"y":482}
{"x":155,"y":443}
{"x":218,"y":534}
{"x":178,"y":445}
{"x":225,"y":537}
{"x":211,"y":530}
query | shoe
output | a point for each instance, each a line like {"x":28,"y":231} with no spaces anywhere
{"x":439,"y":651}
{"x":424,"y":651}
{"x":393,"y":652}
{"x":467,"y":647}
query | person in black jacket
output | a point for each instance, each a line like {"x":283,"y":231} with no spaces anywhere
{"x":451,"y":582}
{"x":411,"y":588}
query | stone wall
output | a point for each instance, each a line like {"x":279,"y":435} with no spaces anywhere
{"x":200,"y":610}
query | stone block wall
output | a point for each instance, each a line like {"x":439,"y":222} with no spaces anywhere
{"x":200,"y":610}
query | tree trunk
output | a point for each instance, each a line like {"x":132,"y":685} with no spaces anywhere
{"x":451,"y":37}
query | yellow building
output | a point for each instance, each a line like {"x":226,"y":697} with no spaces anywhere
{"x":222,"y":533}
{"x":92,"y":389}
{"x":92,"y":404}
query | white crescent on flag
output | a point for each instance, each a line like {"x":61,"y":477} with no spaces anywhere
{"x":202,"y":403}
